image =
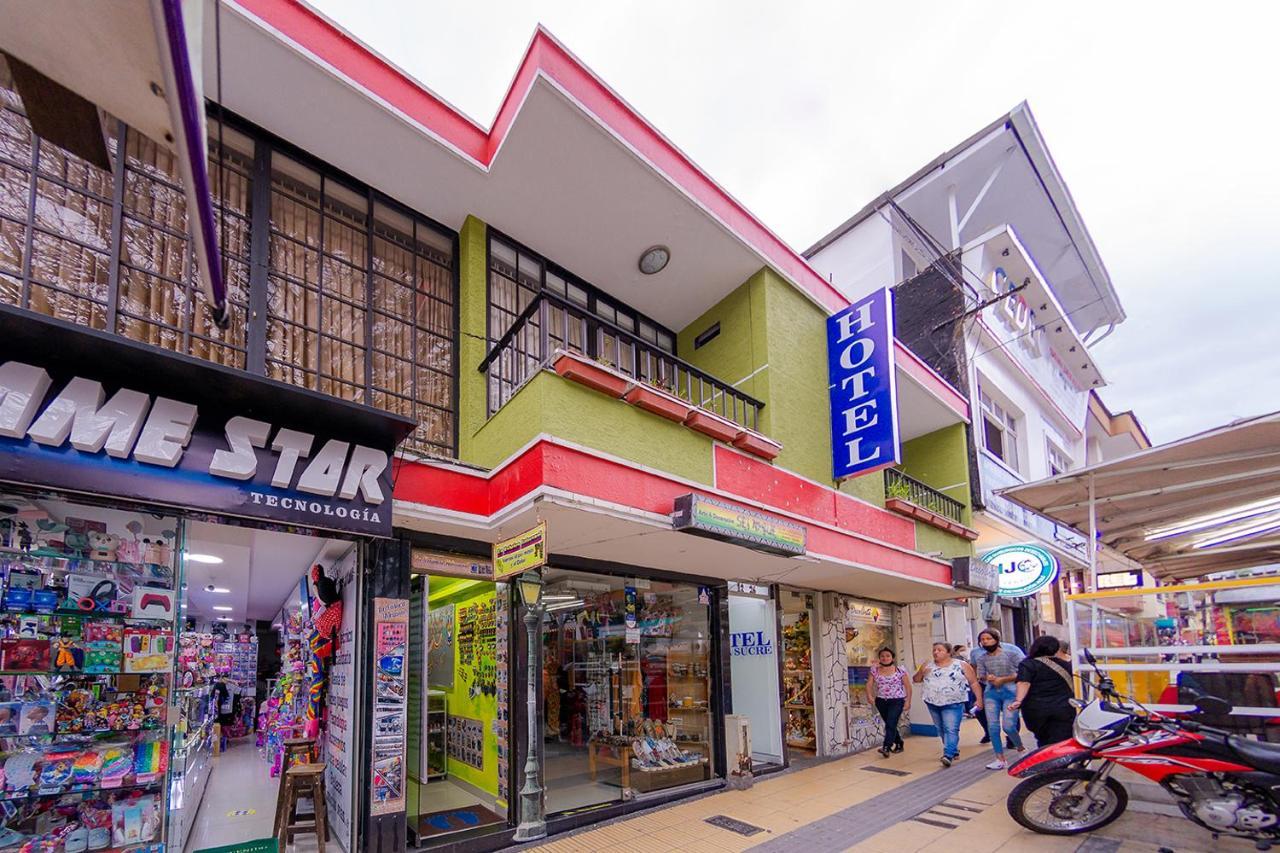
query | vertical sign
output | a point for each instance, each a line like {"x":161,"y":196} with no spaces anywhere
{"x":339,"y":735}
{"x":860,"y":370}
{"x":390,"y":644}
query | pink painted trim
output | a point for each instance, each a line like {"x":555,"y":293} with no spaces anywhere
{"x":940,"y":388}
{"x":330,"y":44}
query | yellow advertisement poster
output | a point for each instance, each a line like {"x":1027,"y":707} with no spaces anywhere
{"x":520,"y":553}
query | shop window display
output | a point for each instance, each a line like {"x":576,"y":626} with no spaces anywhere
{"x":868,"y":628}
{"x":626,"y":685}
{"x":86,"y":653}
{"x":797,"y":680}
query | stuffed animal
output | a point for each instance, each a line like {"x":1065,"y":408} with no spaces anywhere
{"x":102,"y":546}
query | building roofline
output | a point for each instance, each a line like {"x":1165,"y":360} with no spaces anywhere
{"x":1118,"y":423}
{"x":1023,"y":125}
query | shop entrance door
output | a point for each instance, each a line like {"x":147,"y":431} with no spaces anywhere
{"x":753,"y":669}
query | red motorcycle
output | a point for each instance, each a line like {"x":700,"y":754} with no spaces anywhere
{"x":1228,"y":784}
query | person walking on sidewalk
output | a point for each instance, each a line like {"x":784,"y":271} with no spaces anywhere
{"x":1044,"y":690}
{"x":889,"y":689}
{"x":947,"y":682}
{"x":997,"y":668}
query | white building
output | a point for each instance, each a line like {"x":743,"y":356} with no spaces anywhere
{"x":999,"y":286}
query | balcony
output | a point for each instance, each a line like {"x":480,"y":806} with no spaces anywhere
{"x":910,"y":497}
{"x":552,"y":332}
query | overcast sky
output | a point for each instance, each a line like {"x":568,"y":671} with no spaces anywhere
{"x":1163,"y":121}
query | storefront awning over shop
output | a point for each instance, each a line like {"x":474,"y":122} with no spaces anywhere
{"x":1206,"y":503}
{"x":141,"y":61}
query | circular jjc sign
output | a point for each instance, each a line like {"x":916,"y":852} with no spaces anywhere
{"x":1023,"y":569}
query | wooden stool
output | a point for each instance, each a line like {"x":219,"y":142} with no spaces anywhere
{"x":301,"y":780}
{"x":299,"y":748}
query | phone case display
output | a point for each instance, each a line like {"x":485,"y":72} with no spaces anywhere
{"x":237,"y":662}
{"x":797,"y":681}
{"x":86,"y":653}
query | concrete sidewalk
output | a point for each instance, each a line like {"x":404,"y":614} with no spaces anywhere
{"x":853,"y":804}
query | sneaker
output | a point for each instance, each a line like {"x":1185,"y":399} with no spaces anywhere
{"x":985,"y":739}
{"x":946,"y":761}
{"x":896,"y":748}
{"x":998,"y":764}
{"x":884,"y":753}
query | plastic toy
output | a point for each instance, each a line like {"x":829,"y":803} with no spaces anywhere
{"x":56,"y":771}
{"x":102,"y":546}
{"x":117,"y":762}
{"x":87,"y":769}
{"x":20,"y":772}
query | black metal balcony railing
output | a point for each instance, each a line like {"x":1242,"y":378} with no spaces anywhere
{"x":899,"y":485}
{"x":550,"y":323}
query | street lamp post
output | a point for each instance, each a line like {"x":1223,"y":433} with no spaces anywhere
{"x":533,"y":822}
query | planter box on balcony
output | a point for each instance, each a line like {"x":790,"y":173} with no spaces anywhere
{"x":659,"y":402}
{"x":754,"y":442}
{"x":593,"y":375}
{"x":929,"y":517}
{"x":712,"y":425}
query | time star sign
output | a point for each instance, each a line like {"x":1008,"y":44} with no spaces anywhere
{"x":1023,"y":569}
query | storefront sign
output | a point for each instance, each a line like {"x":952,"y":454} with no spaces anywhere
{"x":1024,"y":569}
{"x":756,"y":590}
{"x":391,"y":637}
{"x":520,"y":553}
{"x":860,"y":372}
{"x":1120,"y":580}
{"x":450,"y":565}
{"x":703,"y":516}
{"x":72,"y":432}
{"x":750,"y":643}
{"x":974,"y":575}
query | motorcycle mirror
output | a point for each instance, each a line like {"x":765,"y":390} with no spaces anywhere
{"x":1213,"y":705}
{"x":1088,"y":656}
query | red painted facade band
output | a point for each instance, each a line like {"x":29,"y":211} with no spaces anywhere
{"x":761,"y":486}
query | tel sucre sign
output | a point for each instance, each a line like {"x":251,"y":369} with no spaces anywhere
{"x":74,"y":435}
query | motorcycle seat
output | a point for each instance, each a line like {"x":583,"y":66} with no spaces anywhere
{"x":1264,"y":756}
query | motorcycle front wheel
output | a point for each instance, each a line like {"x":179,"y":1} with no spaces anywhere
{"x":1056,"y":803}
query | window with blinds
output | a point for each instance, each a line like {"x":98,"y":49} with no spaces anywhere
{"x":358,"y":294}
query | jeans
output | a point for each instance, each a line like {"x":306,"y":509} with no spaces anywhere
{"x":995,"y":701}
{"x":946,"y":718}
{"x":891,"y":711}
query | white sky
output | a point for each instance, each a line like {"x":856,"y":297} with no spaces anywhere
{"x":1163,"y":119}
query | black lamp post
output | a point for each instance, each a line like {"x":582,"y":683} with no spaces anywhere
{"x":533,"y":822}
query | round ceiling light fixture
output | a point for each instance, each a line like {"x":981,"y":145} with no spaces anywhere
{"x":654,"y":260}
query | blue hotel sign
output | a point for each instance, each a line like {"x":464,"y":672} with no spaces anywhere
{"x":864,"y":404}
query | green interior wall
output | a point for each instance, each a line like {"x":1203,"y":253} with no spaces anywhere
{"x":460,"y":593}
{"x":941,"y":459}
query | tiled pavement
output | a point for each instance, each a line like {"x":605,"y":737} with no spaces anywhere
{"x":840,"y":805}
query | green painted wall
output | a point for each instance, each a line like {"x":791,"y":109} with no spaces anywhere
{"x":940,"y":459}
{"x":741,"y":350}
{"x":472,"y":346}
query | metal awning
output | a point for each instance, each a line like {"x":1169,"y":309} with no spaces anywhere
{"x":139,"y":60}
{"x":1202,"y":504}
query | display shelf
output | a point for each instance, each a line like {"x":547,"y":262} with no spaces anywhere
{"x":78,"y":792}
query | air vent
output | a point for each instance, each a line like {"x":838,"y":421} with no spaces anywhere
{"x":707,"y":336}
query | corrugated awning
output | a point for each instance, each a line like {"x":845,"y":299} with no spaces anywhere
{"x":1202,"y":504}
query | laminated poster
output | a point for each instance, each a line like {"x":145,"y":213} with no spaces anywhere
{"x":391,"y":634}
